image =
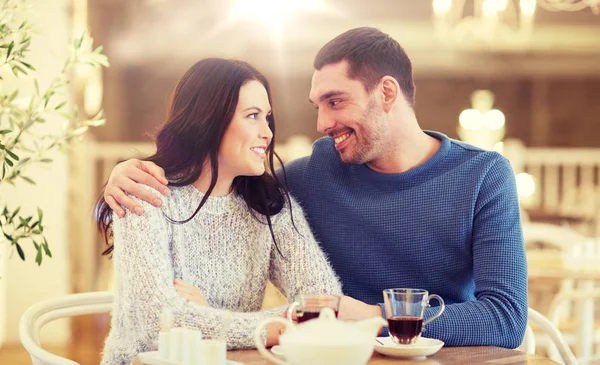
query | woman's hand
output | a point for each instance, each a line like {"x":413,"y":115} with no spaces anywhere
{"x":274,"y":329}
{"x":189,"y":292}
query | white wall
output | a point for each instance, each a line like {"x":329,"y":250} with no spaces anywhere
{"x":26,"y":282}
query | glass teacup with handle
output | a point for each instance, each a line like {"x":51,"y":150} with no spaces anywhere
{"x":405,"y":310}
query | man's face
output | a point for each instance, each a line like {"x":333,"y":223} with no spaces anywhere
{"x":348,"y":114}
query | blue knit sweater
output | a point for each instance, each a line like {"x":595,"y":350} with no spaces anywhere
{"x":450,"y":226}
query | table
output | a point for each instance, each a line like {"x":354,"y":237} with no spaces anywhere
{"x":446,"y":356}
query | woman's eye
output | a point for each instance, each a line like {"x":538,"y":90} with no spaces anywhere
{"x":253,"y":115}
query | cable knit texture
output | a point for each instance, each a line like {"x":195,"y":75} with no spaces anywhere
{"x":224,"y":251}
{"x":450,"y":226}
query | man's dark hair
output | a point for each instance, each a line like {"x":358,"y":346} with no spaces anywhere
{"x":371,"y":55}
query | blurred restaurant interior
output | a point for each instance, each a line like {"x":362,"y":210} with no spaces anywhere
{"x":520,"y":77}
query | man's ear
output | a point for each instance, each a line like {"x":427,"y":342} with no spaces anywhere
{"x":390,"y":91}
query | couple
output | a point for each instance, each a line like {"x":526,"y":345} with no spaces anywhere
{"x":389,"y":204}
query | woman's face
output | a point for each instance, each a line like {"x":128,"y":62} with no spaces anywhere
{"x":243,"y":149}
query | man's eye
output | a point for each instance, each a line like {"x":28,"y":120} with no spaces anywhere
{"x":333,"y":102}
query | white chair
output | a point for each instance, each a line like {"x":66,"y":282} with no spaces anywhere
{"x":575,"y":300}
{"x":551,"y":235}
{"x":555,"y":336}
{"x":48,"y":310}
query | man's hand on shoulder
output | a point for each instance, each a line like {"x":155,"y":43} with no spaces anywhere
{"x":127,"y":178}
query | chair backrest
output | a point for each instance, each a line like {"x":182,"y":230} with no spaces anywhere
{"x":36,"y":316}
{"x":553,"y":333}
{"x":552,"y":235}
{"x":528,"y":344}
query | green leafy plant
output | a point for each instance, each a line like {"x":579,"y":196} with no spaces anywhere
{"x":22,"y":145}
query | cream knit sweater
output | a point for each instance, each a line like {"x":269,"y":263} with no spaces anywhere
{"x":224,"y":251}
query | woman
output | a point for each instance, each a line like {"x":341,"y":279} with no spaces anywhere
{"x":226,"y":229}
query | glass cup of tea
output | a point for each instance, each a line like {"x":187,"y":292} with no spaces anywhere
{"x":308,"y":306}
{"x":404,"y":310}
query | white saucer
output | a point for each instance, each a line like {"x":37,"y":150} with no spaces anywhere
{"x":277,"y":350}
{"x":421,"y":348}
{"x":151,"y":358}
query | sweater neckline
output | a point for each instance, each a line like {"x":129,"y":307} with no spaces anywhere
{"x":216,"y":205}
{"x":411,"y":174}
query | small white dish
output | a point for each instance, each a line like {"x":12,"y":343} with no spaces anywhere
{"x":152,"y":358}
{"x":421,"y":348}
{"x":277,"y":350}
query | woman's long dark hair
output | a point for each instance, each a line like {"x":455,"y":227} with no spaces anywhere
{"x":203,"y":105}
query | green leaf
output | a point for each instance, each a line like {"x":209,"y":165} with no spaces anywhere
{"x":29,"y":66}
{"x":13,"y":95}
{"x":34,"y":225}
{"x":9,"y":163}
{"x":12,"y":155}
{"x":10,"y":48}
{"x":3,"y":171}
{"x":23,"y":161}
{"x":5,"y":131}
{"x":29,"y":180}
{"x":37,"y":247}
{"x":20,"y":251}
{"x":2,"y":146}
{"x":14,"y":214}
{"x":96,"y":123}
{"x":18,"y":68}
{"x":46,"y":160}
{"x":46,"y":249}
{"x":8,"y":237}
{"x":23,"y":222}
{"x":38,"y":257}
{"x":40,"y":214}
{"x":37,"y":231}
{"x":80,"y":130}
{"x":60,"y":105}
{"x":79,"y":41}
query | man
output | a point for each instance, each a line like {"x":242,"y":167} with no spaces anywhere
{"x":395,"y":206}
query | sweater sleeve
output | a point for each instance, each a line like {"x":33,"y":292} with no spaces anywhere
{"x":299,"y":266}
{"x":144,"y":286}
{"x":498,"y":316}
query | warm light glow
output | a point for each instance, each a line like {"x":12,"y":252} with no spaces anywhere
{"x":501,"y":5}
{"x":92,"y":93}
{"x":528,"y":7}
{"x":486,"y":21}
{"x":570,"y":5}
{"x":494,"y":119}
{"x":499,"y":147}
{"x":489,"y":7}
{"x":525,"y":185}
{"x":471,"y":119}
{"x":442,"y":6}
{"x":274,"y":10}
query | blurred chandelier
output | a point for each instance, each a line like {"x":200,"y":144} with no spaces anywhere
{"x":484,"y":21}
{"x":570,"y":5}
{"x":482,"y":125}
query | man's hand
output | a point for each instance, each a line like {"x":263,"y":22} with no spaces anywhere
{"x":354,"y":310}
{"x":189,"y":292}
{"x":126,"y":177}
